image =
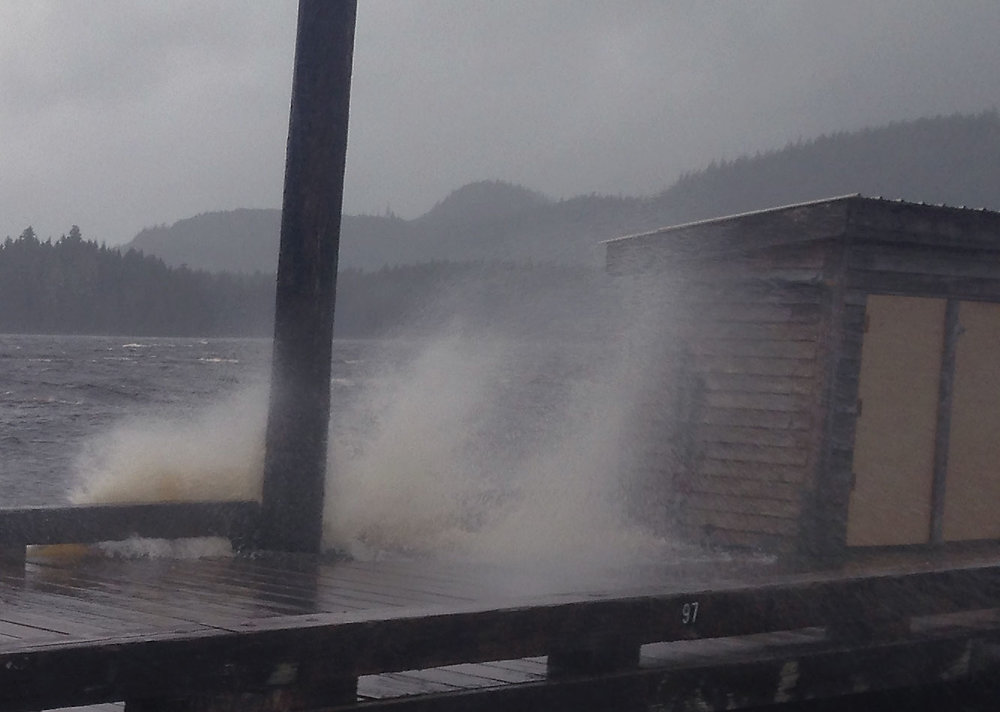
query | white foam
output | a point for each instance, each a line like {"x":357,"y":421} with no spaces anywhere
{"x":417,"y":481}
{"x":188,"y":548}
{"x":417,"y":469}
{"x":215,"y":454}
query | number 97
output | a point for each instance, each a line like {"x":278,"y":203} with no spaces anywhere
{"x":689,"y":613}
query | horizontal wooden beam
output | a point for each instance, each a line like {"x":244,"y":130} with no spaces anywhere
{"x":248,"y":653}
{"x":87,"y":524}
{"x":737,"y":680}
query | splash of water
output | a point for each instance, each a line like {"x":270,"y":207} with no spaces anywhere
{"x":215,"y":454}
{"x":432,"y":459}
{"x":428,"y":479}
{"x":407,"y":481}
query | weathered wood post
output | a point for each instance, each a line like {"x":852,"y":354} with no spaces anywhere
{"x":299,"y":410}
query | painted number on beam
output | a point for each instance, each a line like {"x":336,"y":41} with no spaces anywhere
{"x":689,"y":613}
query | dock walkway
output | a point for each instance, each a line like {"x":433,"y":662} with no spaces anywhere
{"x":295,"y":632}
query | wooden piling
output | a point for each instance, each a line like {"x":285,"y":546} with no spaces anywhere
{"x":298,"y":416}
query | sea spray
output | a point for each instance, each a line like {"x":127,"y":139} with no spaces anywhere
{"x":215,"y":453}
{"x":472,"y":448}
{"x":212,"y":454}
{"x":465,"y":459}
{"x":413,"y":479}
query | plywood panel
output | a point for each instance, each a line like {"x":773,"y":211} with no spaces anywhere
{"x":894,"y":439}
{"x":972,"y":494}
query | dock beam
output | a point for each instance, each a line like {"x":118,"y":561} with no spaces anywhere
{"x":299,"y":410}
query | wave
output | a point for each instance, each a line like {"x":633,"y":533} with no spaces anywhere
{"x":434,"y":457}
{"x":213,"y":454}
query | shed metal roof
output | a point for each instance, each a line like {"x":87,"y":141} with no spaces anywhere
{"x":854,"y":216}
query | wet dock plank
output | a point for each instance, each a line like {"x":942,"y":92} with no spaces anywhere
{"x":416,"y":629}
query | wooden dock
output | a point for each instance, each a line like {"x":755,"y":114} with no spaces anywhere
{"x":289,"y":632}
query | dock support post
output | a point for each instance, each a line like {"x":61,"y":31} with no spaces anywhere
{"x":596,"y":657}
{"x":291,"y":687}
{"x":299,"y":410}
{"x":13,"y":556}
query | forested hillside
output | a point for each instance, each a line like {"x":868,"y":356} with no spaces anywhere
{"x":491,"y":254}
{"x":75,"y":286}
{"x":953,"y":160}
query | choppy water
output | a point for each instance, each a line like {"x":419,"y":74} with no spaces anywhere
{"x":59,"y":395}
{"x":462,"y":445}
{"x":58,"y":392}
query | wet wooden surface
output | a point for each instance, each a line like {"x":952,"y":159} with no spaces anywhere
{"x":69,"y":593}
{"x":73,"y":598}
{"x":464,"y":627}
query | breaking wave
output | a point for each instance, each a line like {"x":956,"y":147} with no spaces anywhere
{"x":448,"y":454}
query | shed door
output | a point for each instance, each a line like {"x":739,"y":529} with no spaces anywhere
{"x":972,"y":485}
{"x":894,"y":436}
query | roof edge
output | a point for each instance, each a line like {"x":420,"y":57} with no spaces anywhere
{"x":740,"y":216}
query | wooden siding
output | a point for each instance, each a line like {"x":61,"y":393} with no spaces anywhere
{"x":894,"y":224}
{"x":884,"y":268}
{"x":737,"y":236}
{"x":755,"y":356}
{"x":935,"y":226}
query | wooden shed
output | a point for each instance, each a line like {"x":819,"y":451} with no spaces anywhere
{"x":840,"y":365}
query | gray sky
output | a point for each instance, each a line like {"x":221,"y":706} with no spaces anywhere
{"x":120,"y":114}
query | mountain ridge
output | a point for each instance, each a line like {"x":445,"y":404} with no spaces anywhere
{"x":945,"y":159}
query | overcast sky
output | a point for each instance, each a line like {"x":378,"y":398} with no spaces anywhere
{"x":120,"y":114}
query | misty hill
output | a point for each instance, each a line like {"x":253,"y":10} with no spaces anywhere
{"x":76,"y":286}
{"x":953,"y":160}
{"x":235,"y":241}
{"x":247,"y":240}
{"x":485,"y":201}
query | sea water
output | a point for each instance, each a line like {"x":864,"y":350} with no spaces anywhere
{"x":459,"y":447}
